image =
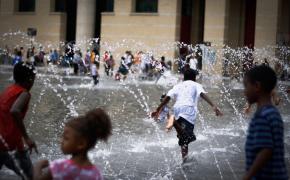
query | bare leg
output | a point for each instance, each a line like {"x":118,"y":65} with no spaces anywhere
{"x":184,"y":148}
{"x":184,"y":151}
{"x":170,"y":122}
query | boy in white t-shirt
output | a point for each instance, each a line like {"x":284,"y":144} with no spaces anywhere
{"x":186,"y":95}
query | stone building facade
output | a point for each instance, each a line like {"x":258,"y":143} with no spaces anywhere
{"x":233,"y":22}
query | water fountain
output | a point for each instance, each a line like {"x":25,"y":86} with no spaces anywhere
{"x":139,"y":147}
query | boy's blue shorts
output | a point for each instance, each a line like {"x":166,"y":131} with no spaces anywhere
{"x":187,"y":136}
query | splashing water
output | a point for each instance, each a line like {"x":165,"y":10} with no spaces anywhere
{"x":139,"y":147}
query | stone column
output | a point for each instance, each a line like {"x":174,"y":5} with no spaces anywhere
{"x":85,"y":26}
{"x":214,"y":21}
{"x":214,"y":30}
{"x":266,"y":23}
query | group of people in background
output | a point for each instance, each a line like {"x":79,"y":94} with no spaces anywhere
{"x":141,"y":64}
{"x":237,"y":62}
{"x":20,"y":54}
{"x":190,"y":58}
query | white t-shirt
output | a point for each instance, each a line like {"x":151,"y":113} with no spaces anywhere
{"x":128,"y":59}
{"x":193,"y":63}
{"x":186,"y":95}
{"x":93,"y":70}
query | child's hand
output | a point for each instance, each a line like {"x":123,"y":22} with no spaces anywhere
{"x":155,"y":114}
{"x":217,"y":111}
{"x":38,"y":168}
{"x":168,"y":129}
{"x":31,"y":145}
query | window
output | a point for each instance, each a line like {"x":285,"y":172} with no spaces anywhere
{"x":146,"y":6}
{"x":60,"y":6}
{"x":107,"y":5}
{"x":26,"y":5}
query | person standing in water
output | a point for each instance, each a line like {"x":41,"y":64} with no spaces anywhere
{"x":264,"y":147}
{"x":187,"y":94}
{"x":14,"y":101}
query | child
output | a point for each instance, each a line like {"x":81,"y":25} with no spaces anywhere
{"x":17,"y":58}
{"x":117,"y":76}
{"x":106,"y":58}
{"x":264,"y":146}
{"x":80,"y":135}
{"x":164,"y":113}
{"x":94,"y":73}
{"x":14,"y":102}
{"x":124,"y":68}
{"x":111,"y":64}
{"x":186,"y":94}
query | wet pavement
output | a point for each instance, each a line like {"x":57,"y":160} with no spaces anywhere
{"x":140,"y":148}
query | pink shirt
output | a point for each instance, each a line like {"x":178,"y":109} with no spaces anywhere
{"x":66,"y":169}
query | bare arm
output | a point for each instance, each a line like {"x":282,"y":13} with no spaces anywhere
{"x":38,"y":173}
{"x":163,"y":103}
{"x":207,"y":99}
{"x":262,"y":158}
{"x":16,"y":111}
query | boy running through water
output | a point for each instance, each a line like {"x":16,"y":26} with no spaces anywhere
{"x":14,"y":102}
{"x":265,"y":158}
{"x":185,"y":110}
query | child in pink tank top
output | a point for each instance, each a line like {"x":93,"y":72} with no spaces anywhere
{"x":80,"y":135}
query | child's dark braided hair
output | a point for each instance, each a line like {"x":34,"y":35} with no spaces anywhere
{"x":94,"y":125}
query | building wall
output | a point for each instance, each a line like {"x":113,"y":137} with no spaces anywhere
{"x":235,"y":23}
{"x":197,"y":21}
{"x":152,"y":29}
{"x":214,"y":23}
{"x":266,"y":23}
{"x":86,"y":13}
{"x":222,"y":24}
{"x":283,"y":32}
{"x":214,"y":28}
{"x":51,"y":26}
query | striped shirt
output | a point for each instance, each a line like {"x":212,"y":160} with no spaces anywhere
{"x":266,"y":131}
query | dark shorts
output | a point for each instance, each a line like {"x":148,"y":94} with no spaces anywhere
{"x":123,"y":70}
{"x":23,"y":161}
{"x":187,"y":136}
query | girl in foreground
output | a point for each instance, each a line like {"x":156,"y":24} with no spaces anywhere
{"x":80,"y":135}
